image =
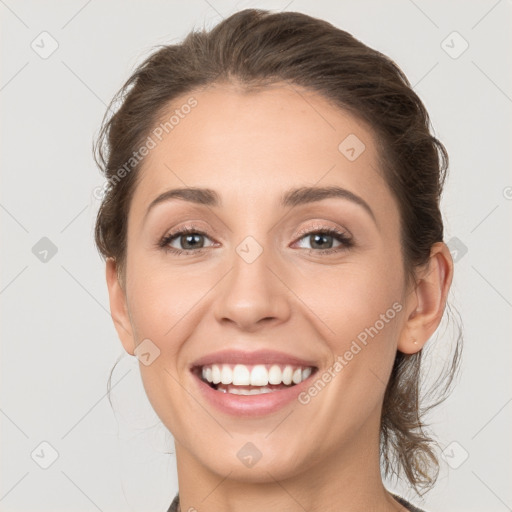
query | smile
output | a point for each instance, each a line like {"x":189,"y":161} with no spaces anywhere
{"x":241,"y":379}
{"x":251,"y":383}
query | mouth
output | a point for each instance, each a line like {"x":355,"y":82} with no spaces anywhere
{"x":254,"y":379}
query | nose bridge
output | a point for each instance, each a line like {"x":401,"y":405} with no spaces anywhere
{"x":251,"y":291}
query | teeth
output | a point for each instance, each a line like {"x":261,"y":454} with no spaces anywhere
{"x":226,"y":375}
{"x":275,"y":375}
{"x":287,"y":375}
{"x":256,"y":391}
{"x":241,"y":375}
{"x":215,"y":374}
{"x":297,"y":376}
{"x":257,"y":375}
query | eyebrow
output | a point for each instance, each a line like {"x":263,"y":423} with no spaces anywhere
{"x":305,"y":195}
{"x":291,"y":198}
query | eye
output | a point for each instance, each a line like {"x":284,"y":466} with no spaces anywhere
{"x":189,"y":240}
{"x":321,"y":240}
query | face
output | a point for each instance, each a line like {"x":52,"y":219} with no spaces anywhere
{"x":267,"y":276}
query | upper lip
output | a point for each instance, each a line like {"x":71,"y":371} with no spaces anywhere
{"x":251,"y":358}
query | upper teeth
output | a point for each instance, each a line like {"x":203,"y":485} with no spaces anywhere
{"x":257,"y":375}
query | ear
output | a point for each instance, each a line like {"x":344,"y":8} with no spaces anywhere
{"x":426,"y":303}
{"x":118,"y":307}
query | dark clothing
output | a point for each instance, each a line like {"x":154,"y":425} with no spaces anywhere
{"x":406,"y":504}
{"x":402,"y":501}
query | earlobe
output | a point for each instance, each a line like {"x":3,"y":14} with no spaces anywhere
{"x":118,"y":307}
{"x":427,"y":300}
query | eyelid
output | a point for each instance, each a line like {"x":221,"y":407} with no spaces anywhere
{"x":319,"y":226}
{"x":189,"y":226}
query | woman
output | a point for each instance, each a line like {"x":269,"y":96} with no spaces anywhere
{"x":275,"y":259}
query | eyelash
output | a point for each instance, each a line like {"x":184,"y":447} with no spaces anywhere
{"x":341,"y":236}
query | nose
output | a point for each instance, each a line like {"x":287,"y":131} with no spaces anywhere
{"x":253,"y":294}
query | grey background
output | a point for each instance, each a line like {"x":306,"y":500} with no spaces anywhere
{"x":58,"y":340}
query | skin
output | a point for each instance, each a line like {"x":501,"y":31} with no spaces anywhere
{"x":250,"y":148}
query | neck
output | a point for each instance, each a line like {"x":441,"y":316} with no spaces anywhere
{"x":347,"y":479}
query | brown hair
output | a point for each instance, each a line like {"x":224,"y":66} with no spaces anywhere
{"x":253,"y":48}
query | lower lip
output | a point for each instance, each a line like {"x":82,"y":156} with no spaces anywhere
{"x":251,"y":405}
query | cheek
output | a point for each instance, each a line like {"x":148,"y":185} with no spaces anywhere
{"x":356,"y":309}
{"x":165,"y":305}
{"x":352,"y":298}
{"x":163,"y":297}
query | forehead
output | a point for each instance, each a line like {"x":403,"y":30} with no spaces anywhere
{"x":259,"y":143}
